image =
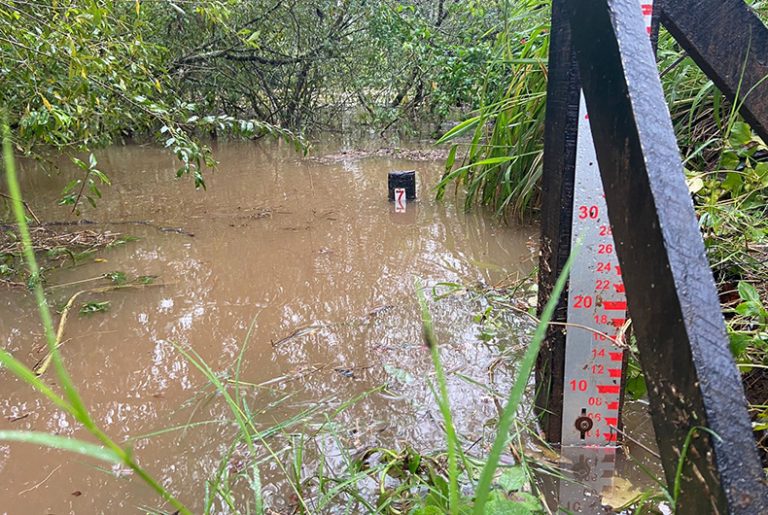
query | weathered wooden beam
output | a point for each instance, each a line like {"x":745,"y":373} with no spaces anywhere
{"x":730,"y":44}
{"x":693,"y":381}
{"x":560,"y":135}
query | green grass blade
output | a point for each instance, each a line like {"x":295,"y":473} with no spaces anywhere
{"x":442,"y":400}
{"x":683,"y":456}
{"x":75,"y":404}
{"x":28,"y":376}
{"x":459,"y":129}
{"x":62,"y":443}
{"x":516,"y":393}
{"x":29,"y":256}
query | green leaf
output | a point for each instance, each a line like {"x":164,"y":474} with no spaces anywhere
{"x":63,"y":443}
{"x":398,"y":374}
{"x":90,"y":308}
{"x":70,"y":186}
{"x":459,"y":129}
{"x":102,"y":177}
{"x":494,"y":160}
{"x":253,"y":39}
{"x":451,"y":158}
{"x":636,"y":386}
{"x":740,"y":135}
{"x":729,"y":160}
{"x":733,"y":182}
{"x":412,"y":460}
{"x":747,"y":309}
{"x":116,"y":277}
{"x":512,"y":479}
{"x":748,"y":293}
{"x":738,"y":343}
{"x":529,"y":500}
{"x":761,"y":172}
{"x":79,"y":163}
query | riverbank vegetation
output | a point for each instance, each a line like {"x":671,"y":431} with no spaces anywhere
{"x":496,"y":158}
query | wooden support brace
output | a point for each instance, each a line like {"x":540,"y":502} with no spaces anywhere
{"x":729,"y":43}
{"x":694,"y":386}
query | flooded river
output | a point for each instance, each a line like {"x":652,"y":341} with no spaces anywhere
{"x":307,"y":253}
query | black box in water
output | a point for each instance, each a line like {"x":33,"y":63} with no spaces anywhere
{"x":403,"y":179}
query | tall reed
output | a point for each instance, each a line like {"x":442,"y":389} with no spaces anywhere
{"x":500,"y":164}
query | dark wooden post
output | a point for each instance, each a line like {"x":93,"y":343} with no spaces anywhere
{"x":560,"y":135}
{"x":693,"y":381}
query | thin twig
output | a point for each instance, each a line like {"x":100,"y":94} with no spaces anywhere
{"x":637,"y":442}
{"x":63,"y":285}
{"x":82,"y":188}
{"x":616,"y":340}
{"x":41,"y":482}
{"x":26,"y":206}
{"x":12,"y":284}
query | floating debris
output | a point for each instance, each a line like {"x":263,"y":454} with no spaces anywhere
{"x":45,"y":239}
{"x":405,"y":154}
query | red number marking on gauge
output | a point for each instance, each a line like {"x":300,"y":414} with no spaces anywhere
{"x":400,"y":200}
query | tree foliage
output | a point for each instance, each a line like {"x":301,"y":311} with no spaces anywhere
{"x":80,"y":74}
{"x":301,"y":64}
{"x":85,"y":72}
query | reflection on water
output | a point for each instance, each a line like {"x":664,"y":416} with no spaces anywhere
{"x":294,"y":246}
{"x":602,"y":480}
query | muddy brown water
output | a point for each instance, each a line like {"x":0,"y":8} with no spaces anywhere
{"x":308,"y":253}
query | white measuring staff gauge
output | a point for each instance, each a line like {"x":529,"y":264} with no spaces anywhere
{"x":597,"y":305}
{"x":590,"y":471}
